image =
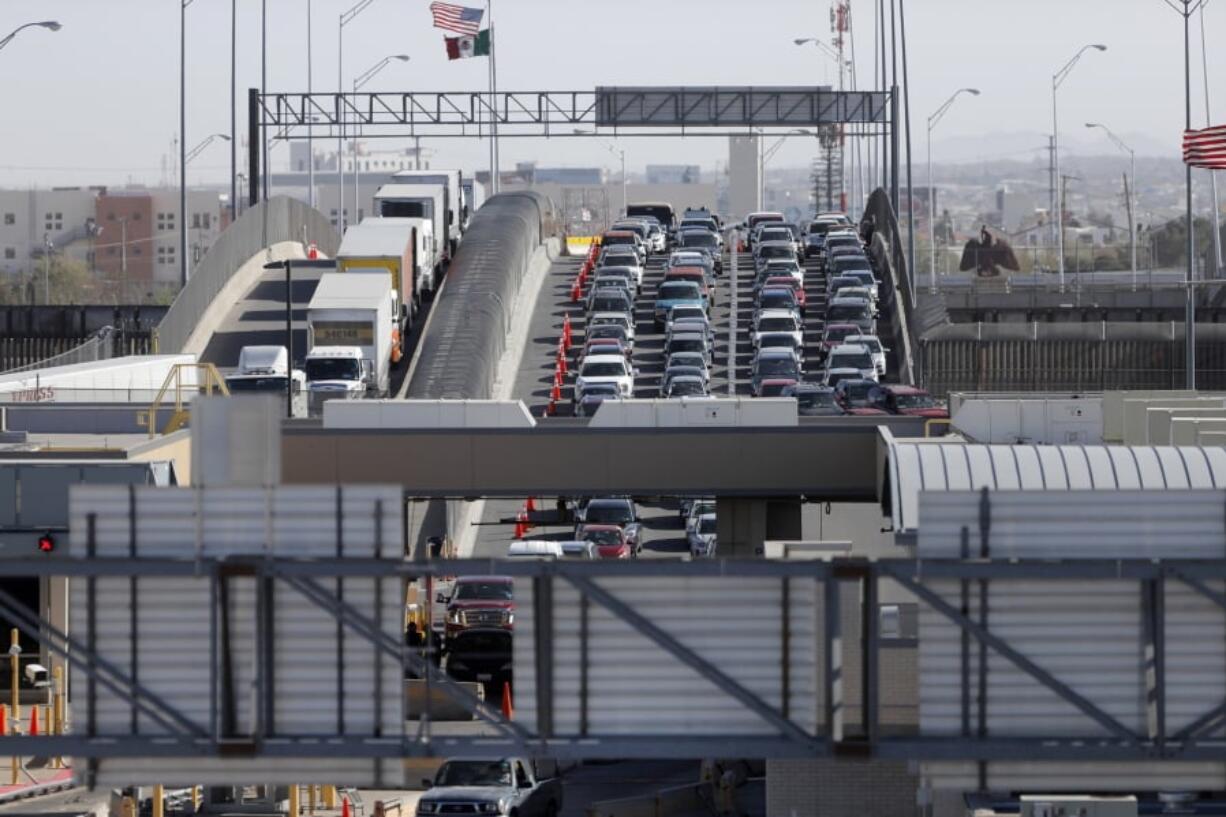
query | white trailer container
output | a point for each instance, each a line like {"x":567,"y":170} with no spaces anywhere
{"x":1058,"y":421}
{"x":474,"y":197}
{"x":427,"y":202}
{"x":453,"y":187}
{"x":131,"y":379}
{"x":350,"y":322}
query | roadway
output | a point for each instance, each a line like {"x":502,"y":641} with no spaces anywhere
{"x":663,"y":528}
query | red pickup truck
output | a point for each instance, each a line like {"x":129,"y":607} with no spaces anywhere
{"x":480,"y":601}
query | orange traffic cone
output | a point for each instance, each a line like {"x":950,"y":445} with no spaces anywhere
{"x":33,"y":722}
{"x":312,"y":251}
{"x":530,"y":505}
{"x":4,"y":719}
{"x":575,"y":292}
{"x":566,"y":336}
{"x":345,"y":807}
{"x":562,"y":362}
{"x":520,"y":525}
{"x":507,"y":711}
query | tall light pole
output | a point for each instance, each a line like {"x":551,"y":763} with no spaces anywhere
{"x":358,"y":82}
{"x":1056,"y":80}
{"x":234,"y":110}
{"x":932,"y":196}
{"x":765,"y":154}
{"x":616,"y":151}
{"x":310,"y":131}
{"x":183,"y":4}
{"x":204,"y":143}
{"x":345,"y":19}
{"x":187,"y":158}
{"x":1132,"y":193}
{"x":50,"y":25}
{"x":835,"y":54}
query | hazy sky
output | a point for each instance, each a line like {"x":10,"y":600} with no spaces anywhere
{"x":97,"y":101}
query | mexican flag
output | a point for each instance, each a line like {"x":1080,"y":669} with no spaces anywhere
{"x":459,"y":48}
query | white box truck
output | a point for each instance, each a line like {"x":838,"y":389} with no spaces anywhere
{"x":401,"y":248}
{"x":453,"y":198}
{"x":425,"y":202}
{"x":474,"y":197}
{"x":350,"y":324}
{"x":266,"y":370}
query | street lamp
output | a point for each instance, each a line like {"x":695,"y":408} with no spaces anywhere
{"x":765,"y":154}
{"x":50,"y":25}
{"x":1132,"y":196}
{"x":1056,"y":80}
{"x":358,"y":82}
{"x":198,"y":149}
{"x":183,"y":4}
{"x":840,"y":64}
{"x":932,"y":196}
{"x":345,"y":19}
{"x":616,"y":151}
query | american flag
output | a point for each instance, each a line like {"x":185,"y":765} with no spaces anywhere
{"x":460,"y":19}
{"x":1205,"y":148}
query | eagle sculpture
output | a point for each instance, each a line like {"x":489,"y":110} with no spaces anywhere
{"x":988,"y":254}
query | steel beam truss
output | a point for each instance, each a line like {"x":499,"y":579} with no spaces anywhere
{"x":626,"y":111}
{"x":781,"y":737}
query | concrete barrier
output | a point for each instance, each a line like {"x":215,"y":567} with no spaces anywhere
{"x":441,"y":705}
{"x":674,"y":800}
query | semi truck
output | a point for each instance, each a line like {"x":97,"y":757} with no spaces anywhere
{"x":400,"y":247}
{"x":351,"y":331}
{"x":454,"y":204}
{"x":427,"y":203}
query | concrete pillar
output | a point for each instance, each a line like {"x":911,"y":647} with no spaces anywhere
{"x":745,"y":523}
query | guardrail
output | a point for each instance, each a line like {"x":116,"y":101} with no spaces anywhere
{"x":276,"y":220}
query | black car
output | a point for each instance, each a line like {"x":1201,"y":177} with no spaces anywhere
{"x":595,"y":394}
{"x":814,"y":400}
{"x":480,"y":654}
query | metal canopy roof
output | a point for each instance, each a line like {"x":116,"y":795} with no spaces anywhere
{"x":913,"y":467}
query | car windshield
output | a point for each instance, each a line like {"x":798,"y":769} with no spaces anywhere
{"x":607,"y":331}
{"x":858,"y":392}
{"x":847,"y":312}
{"x":333,"y":368}
{"x":685,"y":259}
{"x":773,"y":389}
{"x":775,"y":234}
{"x":837,"y":333}
{"x":784,"y":366}
{"x":863,"y":276}
{"x":815,"y":399}
{"x":673,"y":290}
{"x":778,"y":342}
{"x":850,"y":360}
{"x":474,"y":773}
{"x":914,"y":401}
{"x":681,"y":313}
{"x":613,"y":514}
{"x":687,"y":388}
{"x":778,"y":267}
{"x":779,"y":324}
{"x":698,"y":239}
{"x":614,"y":240}
{"x":619,"y":258}
{"x":608,"y":320}
{"x":603,"y":369}
{"x":686,"y":345}
{"x":256,"y":384}
{"x":482,"y":591}
{"x":685,"y":359}
{"x":707,"y":524}
{"x":603,"y":537}
{"x":600,"y":390}
{"x":873,"y":344}
{"x":775,"y":252}
{"x":611,"y":303}
{"x":777,"y":299}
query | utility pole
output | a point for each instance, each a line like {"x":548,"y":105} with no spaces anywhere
{"x":123,"y":257}
{"x":46,"y":269}
{"x":1132,"y":226}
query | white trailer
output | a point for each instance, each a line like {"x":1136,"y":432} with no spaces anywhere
{"x":350,"y":330}
{"x":453,"y":198}
{"x":425,"y":202}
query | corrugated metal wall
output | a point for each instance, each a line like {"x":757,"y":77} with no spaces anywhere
{"x":735,"y":624}
{"x":1090,"y":635}
{"x":171,"y":644}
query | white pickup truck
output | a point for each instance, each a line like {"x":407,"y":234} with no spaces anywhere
{"x":503,"y":787}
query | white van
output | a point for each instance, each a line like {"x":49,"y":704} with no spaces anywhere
{"x":534,"y":549}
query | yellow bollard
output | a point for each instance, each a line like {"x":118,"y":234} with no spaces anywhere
{"x":293,"y":801}
{"x":159,"y":800}
{"x":195,"y":799}
{"x":329,"y":797}
{"x":311,"y":799}
{"x":127,"y":807}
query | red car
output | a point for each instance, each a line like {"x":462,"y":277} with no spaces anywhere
{"x":834,"y":333}
{"x":774,"y":387}
{"x":480,"y":601}
{"x":912,"y":402}
{"x":610,"y":540}
{"x":789,"y":282}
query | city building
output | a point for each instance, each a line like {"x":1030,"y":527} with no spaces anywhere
{"x":674,"y":174}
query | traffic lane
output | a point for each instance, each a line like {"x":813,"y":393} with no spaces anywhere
{"x":258,"y":317}
{"x":534,"y":379}
{"x":813,"y":321}
{"x":663,"y":531}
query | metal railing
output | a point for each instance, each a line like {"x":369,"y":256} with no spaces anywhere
{"x":276,"y":220}
{"x":211,"y":382}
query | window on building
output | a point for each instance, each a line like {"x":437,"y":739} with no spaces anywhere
{"x":195,"y":221}
{"x":10,"y":253}
{"x":111,"y":251}
{"x":59,"y":216}
{"x":204,"y":219}
{"x":136,"y":250}
{"x":110,"y":216}
{"x":136,"y":216}
{"x":10,"y":218}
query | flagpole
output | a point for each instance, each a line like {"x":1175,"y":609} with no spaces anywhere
{"x":496,"y":170}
